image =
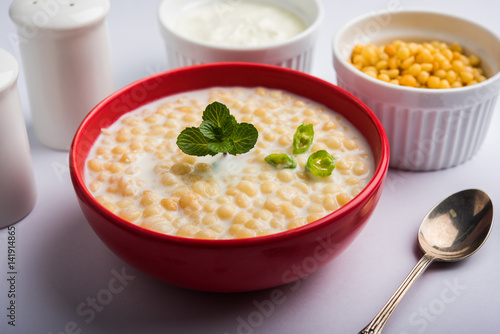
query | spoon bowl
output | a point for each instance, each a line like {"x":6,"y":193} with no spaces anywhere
{"x":452,"y":230}
{"x":457,"y":227}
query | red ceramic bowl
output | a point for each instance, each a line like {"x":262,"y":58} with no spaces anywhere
{"x":240,"y":264}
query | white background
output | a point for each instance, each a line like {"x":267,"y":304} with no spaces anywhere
{"x":61,"y":263}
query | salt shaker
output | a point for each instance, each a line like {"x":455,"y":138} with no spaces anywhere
{"x":17,"y":183}
{"x":66,"y":61}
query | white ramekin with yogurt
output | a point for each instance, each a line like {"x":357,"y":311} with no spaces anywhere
{"x":278,"y":32}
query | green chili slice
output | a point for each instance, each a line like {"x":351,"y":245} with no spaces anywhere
{"x":281,"y":160}
{"x":303,"y":138}
{"x":320,"y":163}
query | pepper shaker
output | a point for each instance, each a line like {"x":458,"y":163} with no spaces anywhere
{"x":17,"y":182}
{"x":66,"y":60}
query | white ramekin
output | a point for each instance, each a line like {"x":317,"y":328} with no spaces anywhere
{"x":294,"y":53}
{"x":428,"y":129}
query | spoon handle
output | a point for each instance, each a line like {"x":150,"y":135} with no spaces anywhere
{"x":376,"y":325}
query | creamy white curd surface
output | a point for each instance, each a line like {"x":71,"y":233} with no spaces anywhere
{"x":240,"y":23}
{"x":136,"y":170}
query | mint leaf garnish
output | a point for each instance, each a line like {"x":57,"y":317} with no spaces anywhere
{"x":221,"y":147}
{"x":218,"y":133}
{"x":210,"y":130}
{"x":228,"y":125}
{"x":216,"y":112}
{"x":244,"y":137}
{"x":191,"y":141}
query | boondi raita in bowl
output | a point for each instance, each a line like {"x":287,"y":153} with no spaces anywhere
{"x":138,"y":171}
{"x":266,"y":251}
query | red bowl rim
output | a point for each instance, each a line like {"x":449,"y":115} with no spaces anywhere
{"x":367,"y":192}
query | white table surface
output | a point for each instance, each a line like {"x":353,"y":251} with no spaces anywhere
{"x":62,"y":266}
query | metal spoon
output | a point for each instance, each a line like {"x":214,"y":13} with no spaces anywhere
{"x":453,"y":230}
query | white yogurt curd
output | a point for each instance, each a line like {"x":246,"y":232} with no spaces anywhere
{"x":241,"y":23}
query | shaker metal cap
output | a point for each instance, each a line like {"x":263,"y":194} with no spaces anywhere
{"x":58,"y":14}
{"x":9,"y":69}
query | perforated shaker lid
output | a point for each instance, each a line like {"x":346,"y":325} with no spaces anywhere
{"x":58,"y":14}
{"x":9,"y":69}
